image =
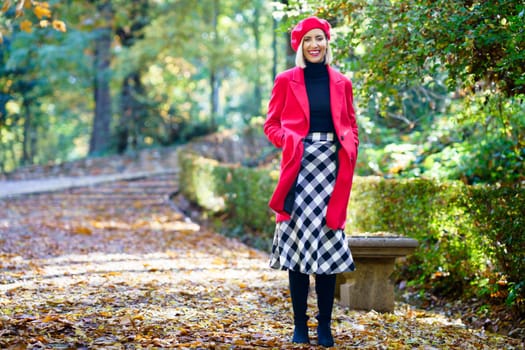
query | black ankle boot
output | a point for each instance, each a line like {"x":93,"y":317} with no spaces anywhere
{"x":300,"y":334}
{"x":325,"y":289}
{"x":324,"y":334}
{"x":299,"y":284}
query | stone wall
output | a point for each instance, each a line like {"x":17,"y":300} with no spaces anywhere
{"x":249,"y":148}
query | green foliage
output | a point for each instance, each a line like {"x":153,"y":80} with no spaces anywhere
{"x":44,"y":76}
{"x":498,"y":212}
{"x":429,"y":212}
{"x":489,"y":148}
{"x":198,"y":183}
{"x":432,"y":79}
{"x":471,"y":237}
{"x":239,"y":192}
{"x":439,"y":85}
{"x":246,"y":196}
{"x":477,"y":43}
{"x":161,"y":60}
{"x":493,"y":134}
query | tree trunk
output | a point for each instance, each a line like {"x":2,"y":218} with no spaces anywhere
{"x":132,"y":111}
{"x":214,"y":79}
{"x":100,"y":141}
{"x":257,"y":36}
{"x":3,"y":151}
{"x":274,"y":48}
{"x":290,"y":54}
{"x":126,"y":111}
{"x":26,"y":141}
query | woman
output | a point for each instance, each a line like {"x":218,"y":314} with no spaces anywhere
{"x":311,"y":117}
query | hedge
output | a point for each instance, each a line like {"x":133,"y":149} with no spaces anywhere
{"x":471,"y":237}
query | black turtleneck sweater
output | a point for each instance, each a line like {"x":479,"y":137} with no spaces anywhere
{"x":318,"y":90}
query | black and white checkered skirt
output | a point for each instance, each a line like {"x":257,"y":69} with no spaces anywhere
{"x":304,"y":243}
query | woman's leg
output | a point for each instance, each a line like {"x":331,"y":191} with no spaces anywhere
{"x":299,"y":285}
{"x":325,"y":288}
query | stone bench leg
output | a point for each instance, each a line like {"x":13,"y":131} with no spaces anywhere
{"x":369,"y":286}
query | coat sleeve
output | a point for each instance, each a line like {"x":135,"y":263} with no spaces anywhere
{"x":272,"y":126}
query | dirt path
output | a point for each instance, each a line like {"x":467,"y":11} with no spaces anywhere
{"x":115,"y":266}
{"x":11,"y":188}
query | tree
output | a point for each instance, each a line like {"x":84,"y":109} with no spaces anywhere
{"x":100,"y":141}
{"x":419,"y":65}
{"x":214,"y":64}
{"x":133,"y":109}
{"x":39,"y":73}
{"x":479,"y":44}
{"x":177,"y":68}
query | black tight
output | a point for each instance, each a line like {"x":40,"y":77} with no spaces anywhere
{"x":324,"y":288}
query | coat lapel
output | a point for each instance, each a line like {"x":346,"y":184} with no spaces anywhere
{"x":337,"y":95}
{"x":299,"y":90}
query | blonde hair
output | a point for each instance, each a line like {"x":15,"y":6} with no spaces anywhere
{"x":299,"y":57}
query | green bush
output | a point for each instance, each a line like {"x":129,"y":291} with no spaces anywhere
{"x":471,"y":238}
{"x":498,"y":214}
{"x":246,"y":194}
{"x":447,"y":259}
{"x":241,"y":193}
{"x":197,"y":181}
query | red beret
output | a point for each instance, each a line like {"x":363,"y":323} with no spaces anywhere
{"x":307,"y":25}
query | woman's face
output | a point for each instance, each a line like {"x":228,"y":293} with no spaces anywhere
{"x":314,"y":45}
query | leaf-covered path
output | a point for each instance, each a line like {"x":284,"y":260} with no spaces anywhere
{"x":116,"y":266}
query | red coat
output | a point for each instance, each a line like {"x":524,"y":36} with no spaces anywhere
{"x":287,"y":124}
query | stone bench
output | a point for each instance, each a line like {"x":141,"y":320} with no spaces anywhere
{"x":369,"y":286}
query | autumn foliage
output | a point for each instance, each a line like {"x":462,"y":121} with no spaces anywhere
{"x":118,"y":266}
{"x":42,"y":15}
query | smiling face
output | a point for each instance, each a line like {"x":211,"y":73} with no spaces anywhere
{"x":314,"y":46}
